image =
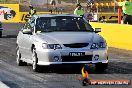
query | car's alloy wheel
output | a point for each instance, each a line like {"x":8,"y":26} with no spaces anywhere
{"x":35,"y":60}
{"x":18,"y":58}
{"x":101,"y":67}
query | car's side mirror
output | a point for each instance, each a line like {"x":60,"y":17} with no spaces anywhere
{"x":97,"y":30}
{"x":27,"y":31}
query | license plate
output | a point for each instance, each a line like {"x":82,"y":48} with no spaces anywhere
{"x":77,"y":54}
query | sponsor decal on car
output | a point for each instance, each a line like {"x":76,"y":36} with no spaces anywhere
{"x":6,"y":13}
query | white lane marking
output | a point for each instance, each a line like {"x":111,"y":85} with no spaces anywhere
{"x":2,"y":85}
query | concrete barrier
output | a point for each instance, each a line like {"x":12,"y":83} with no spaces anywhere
{"x":11,"y":13}
{"x":116,"y":35}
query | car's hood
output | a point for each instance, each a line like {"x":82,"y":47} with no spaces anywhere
{"x":69,"y":37}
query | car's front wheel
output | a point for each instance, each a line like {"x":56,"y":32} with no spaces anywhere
{"x":36,"y":67}
{"x":18,"y":58}
{"x":0,"y":34}
{"x":101,"y":67}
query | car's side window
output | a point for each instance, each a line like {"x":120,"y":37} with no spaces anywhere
{"x":42,"y":25}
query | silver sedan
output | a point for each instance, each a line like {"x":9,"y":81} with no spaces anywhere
{"x":60,"y":39}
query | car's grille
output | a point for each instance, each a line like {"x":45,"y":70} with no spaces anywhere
{"x":77,"y":58}
{"x":76,"y":45}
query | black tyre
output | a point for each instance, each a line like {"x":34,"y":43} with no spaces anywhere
{"x":0,"y":34}
{"x":101,"y":67}
{"x":36,"y":67}
{"x":18,"y":58}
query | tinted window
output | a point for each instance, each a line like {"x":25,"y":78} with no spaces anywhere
{"x":47,"y":24}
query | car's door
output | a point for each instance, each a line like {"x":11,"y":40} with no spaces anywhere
{"x":21,"y":40}
{"x":26,"y":41}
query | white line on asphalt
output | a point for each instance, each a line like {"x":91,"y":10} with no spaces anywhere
{"x":2,"y":85}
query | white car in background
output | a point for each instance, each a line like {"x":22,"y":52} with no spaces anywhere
{"x":60,"y":39}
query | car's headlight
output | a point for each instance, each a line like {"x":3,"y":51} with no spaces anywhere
{"x":58,"y":46}
{"x":51,"y":46}
{"x":94,"y":46}
{"x":102,"y":45}
{"x":98,"y":45}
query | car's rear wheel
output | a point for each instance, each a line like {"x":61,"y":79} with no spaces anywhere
{"x":36,"y":67}
{"x":0,"y":34}
{"x":101,"y":67}
{"x":18,"y":58}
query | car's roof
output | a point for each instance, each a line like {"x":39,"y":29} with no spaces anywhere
{"x":54,"y":15}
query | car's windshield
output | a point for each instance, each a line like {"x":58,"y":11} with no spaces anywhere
{"x":52,"y":24}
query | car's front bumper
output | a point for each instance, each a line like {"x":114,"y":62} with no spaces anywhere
{"x":78,"y":62}
{"x":47,"y":57}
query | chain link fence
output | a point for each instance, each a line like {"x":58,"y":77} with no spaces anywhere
{"x":68,"y":5}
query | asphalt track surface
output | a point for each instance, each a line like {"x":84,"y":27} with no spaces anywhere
{"x":120,"y":67}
